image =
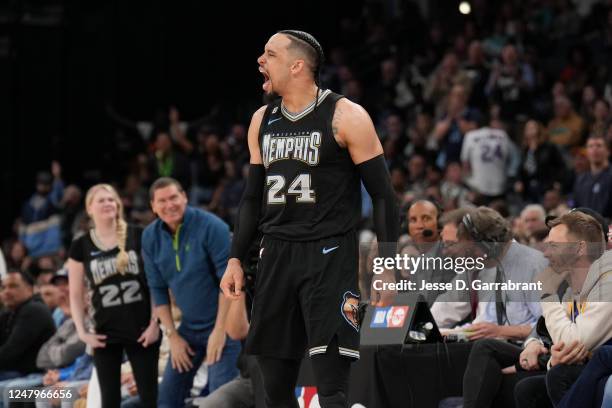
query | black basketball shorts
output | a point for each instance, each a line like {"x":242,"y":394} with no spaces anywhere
{"x":306,"y":293}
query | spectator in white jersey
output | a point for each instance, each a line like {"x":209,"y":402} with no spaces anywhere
{"x":487,"y":156}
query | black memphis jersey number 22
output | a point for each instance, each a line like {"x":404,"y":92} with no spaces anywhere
{"x":121,"y":305}
{"x":312,"y":188}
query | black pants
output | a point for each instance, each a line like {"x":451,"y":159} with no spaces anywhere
{"x":531,"y":392}
{"x":559,"y":380}
{"x":483,"y":377}
{"x":331,"y":372}
{"x":107,"y":361}
{"x":588,"y":390}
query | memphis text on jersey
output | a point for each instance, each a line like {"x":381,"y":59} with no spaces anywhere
{"x":103,"y":267}
{"x":299,"y":146}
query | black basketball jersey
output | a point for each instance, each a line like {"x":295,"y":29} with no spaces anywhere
{"x":312,"y":188}
{"x":121,"y":303}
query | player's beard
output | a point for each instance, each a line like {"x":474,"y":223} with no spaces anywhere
{"x":269,"y":97}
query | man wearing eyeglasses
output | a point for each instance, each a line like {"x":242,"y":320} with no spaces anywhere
{"x":575,"y":322}
{"x":579,"y":322}
{"x":575,"y":328}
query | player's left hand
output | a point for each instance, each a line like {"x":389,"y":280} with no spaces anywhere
{"x":214,"y":348}
{"x":150,"y":335}
{"x":384,"y":297}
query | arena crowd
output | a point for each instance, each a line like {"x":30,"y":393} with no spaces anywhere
{"x":506,"y":117}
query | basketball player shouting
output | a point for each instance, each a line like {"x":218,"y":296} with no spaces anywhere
{"x":309,"y":151}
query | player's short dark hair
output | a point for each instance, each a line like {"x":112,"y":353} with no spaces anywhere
{"x":306,"y":45}
{"x":25,"y":276}
{"x":164,"y":182}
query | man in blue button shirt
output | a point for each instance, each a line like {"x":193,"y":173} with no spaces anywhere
{"x":186,"y":250}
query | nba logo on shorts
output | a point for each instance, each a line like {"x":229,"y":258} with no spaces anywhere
{"x":379,"y":319}
{"x":307,"y":397}
{"x":397,"y":316}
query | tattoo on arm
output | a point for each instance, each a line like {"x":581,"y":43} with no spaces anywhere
{"x":336,"y":122}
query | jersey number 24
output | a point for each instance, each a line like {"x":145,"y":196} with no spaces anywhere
{"x":300,"y":187}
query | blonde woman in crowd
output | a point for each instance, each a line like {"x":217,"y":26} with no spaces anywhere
{"x":107,"y":262}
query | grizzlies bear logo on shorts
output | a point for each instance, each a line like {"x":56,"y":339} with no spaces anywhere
{"x":350,"y":309}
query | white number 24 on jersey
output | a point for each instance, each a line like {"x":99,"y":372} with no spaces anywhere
{"x":300,"y":187}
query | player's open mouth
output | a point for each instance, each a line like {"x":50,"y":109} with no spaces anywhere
{"x":267,"y":84}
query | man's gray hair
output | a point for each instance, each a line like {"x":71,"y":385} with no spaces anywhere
{"x":534,"y":207}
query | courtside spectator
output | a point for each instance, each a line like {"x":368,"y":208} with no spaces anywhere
{"x":513,"y":316}
{"x":578,"y":322}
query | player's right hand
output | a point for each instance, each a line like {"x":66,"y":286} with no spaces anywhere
{"x":233,"y":280}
